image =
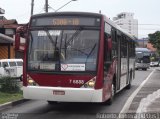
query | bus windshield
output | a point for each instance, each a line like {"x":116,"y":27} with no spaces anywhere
{"x":142,"y":57}
{"x":63,"y":50}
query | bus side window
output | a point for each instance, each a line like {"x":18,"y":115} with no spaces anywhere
{"x":107,"y":55}
{"x":114,"y":44}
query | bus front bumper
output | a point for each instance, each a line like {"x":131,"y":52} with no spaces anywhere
{"x":62,"y":94}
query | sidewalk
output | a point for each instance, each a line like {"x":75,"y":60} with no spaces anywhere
{"x":148,"y":98}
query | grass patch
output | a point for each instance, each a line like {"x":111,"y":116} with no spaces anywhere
{"x":8,"y":97}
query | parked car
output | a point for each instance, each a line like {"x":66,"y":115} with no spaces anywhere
{"x":12,"y":68}
{"x":154,"y":64}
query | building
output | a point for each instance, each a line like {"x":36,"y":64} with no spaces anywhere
{"x":142,"y":43}
{"x":6,"y":47}
{"x":127,"y":22}
{"x":150,"y":46}
{"x":7,"y":32}
{"x":153,"y":50}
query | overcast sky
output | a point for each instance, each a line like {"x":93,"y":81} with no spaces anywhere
{"x":146,"y":11}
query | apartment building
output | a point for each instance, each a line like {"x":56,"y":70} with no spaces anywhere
{"x":127,"y":22}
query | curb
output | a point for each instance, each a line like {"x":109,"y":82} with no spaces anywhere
{"x":11,"y":104}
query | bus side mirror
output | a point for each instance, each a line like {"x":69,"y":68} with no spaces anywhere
{"x":17,"y":41}
{"x":20,"y":33}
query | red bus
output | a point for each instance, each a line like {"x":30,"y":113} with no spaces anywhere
{"x":75,"y":57}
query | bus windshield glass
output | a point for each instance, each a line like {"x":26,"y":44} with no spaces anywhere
{"x":142,"y":54}
{"x":63,"y":50}
{"x":143,"y":57}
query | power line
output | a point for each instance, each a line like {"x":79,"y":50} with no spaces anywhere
{"x":142,"y":29}
{"x":148,"y":24}
{"x":150,"y":29}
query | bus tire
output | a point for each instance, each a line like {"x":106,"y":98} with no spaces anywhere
{"x":52,"y":102}
{"x":130,"y":81}
{"x":21,"y":78}
{"x":110,"y":100}
{"x":144,"y":69}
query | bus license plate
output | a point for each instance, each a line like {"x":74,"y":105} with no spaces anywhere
{"x":58,"y":92}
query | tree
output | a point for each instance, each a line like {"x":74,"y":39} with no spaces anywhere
{"x":154,"y":39}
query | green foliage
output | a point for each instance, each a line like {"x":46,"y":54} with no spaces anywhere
{"x":8,"y":97}
{"x":9,"y":85}
{"x":154,"y":39}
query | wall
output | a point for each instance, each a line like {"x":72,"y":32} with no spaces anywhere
{"x":6,"y":52}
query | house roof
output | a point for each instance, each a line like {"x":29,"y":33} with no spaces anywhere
{"x":8,"y":23}
{"x":5,"y":39}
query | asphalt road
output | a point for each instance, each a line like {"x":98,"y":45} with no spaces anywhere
{"x":42,"y":110}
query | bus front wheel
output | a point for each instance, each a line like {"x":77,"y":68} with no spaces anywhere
{"x":144,"y":69}
{"x":52,"y":102}
{"x":110,"y":100}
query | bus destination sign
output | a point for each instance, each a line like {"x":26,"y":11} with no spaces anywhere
{"x":65,"y":21}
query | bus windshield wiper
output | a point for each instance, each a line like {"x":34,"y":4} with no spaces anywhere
{"x":79,"y":51}
{"x":76,"y":33}
{"x":90,"y":52}
{"x":50,"y":37}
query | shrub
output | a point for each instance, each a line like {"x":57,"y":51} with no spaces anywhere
{"x":9,"y":85}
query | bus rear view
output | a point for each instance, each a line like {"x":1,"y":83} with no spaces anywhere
{"x":142,"y":58}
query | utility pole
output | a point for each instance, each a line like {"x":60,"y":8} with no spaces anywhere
{"x":46,"y":6}
{"x":32,"y":7}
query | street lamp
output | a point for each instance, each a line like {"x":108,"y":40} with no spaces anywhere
{"x":65,"y":5}
{"x":2,"y":11}
{"x":46,"y":6}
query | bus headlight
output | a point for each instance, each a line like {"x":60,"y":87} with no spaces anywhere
{"x":31,"y":82}
{"x":90,"y":83}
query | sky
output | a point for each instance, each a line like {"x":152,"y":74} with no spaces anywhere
{"x":145,"y":11}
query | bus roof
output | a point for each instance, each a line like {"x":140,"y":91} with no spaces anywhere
{"x":67,"y":13}
{"x":142,"y":50}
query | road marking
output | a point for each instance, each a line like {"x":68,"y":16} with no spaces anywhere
{"x":130,"y":99}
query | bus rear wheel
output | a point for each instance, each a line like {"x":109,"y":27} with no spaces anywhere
{"x":130,"y":81}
